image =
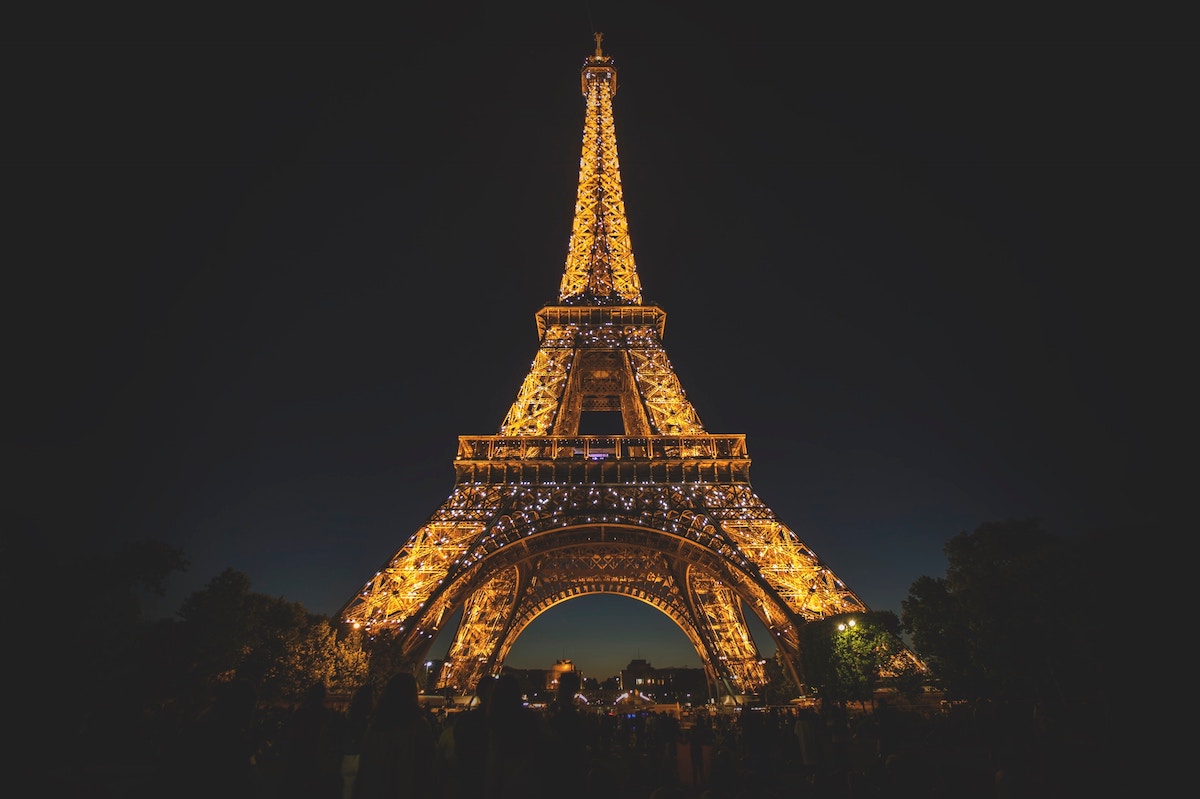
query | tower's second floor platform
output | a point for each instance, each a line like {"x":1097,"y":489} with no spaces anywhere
{"x":602,"y":459}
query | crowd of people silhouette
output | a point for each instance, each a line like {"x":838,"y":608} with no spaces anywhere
{"x":381,"y":742}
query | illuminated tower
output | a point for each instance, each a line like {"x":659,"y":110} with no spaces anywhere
{"x":661,"y":510}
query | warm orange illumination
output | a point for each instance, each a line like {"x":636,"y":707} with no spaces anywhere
{"x":663,"y":513}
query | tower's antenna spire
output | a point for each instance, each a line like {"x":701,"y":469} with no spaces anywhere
{"x":600,"y":269}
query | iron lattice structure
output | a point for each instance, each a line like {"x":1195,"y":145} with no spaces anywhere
{"x":662,"y":511}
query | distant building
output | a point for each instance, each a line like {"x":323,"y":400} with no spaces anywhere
{"x":672,"y":684}
{"x":560,"y":667}
{"x":533,"y":683}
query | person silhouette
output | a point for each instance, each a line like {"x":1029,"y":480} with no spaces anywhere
{"x":700,"y":746}
{"x":467,"y":773}
{"x":215,"y":754}
{"x":352,"y":729}
{"x":311,"y":765}
{"x":570,"y":739}
{"x":516,"y":738}
{"x":398,"y":746}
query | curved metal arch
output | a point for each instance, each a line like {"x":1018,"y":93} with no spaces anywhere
{"x":780,"y":599}
{"x":639,"y":572}
{"x":682,"y":620}
{"x":514,"y":583}
{"x":754,"y":589}
{"x":504,"y":539}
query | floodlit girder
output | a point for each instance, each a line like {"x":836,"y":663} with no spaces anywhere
{"x":486,"y":616}
{"x":739,"y":664}
{"x":540,"y":394}
{"x":792,"y":570}
{"x":653,"y":399}
{"x":399,"y":590}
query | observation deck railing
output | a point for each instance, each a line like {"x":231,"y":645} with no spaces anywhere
{"x":601,"y":448}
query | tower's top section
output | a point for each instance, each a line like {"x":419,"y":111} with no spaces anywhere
{"x":600,"y":269}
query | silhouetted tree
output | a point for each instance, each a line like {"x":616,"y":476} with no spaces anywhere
{"x":82,"y":606}
{"x":780,"y":688}
{"x":277,"y":645}
{"x":1015,"y":618}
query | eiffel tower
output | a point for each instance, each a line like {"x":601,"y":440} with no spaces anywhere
{"x":662,"y":512}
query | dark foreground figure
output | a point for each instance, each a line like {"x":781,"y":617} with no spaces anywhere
{"x":502,"y":749}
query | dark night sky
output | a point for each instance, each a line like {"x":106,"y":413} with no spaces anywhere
{"x":263,"y":281}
